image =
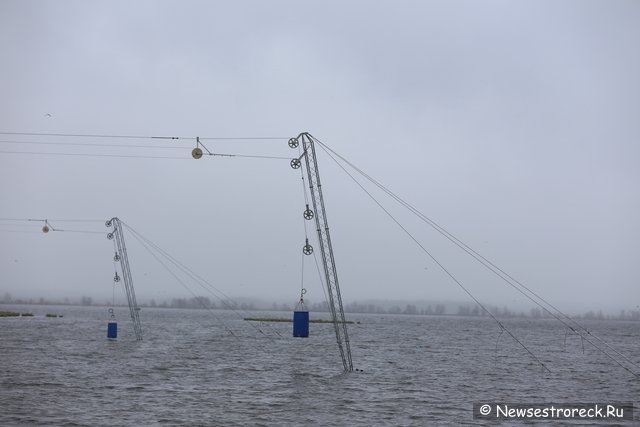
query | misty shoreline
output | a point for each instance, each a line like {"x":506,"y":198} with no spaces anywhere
{"x":389,"y":307}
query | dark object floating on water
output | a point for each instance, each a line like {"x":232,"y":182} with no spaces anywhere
{"x":15,"y":314}
{"x":9,"y":314}
{"x":282,"y":319}
{"x":53,"y":315}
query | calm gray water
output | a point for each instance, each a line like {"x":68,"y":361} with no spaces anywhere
{"x":196,"y":367}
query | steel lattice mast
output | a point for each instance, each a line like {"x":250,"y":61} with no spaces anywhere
{"x":126,"y":273}
{"x":328,"y":260}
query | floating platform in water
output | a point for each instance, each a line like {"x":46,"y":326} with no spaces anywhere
{"x":16,"y":314}
{"x":9,"y":314}
{"x":284,"y":319}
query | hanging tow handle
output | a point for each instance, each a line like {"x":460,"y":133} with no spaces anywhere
{"x":300,"y":304}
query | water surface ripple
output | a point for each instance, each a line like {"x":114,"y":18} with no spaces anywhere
{"x":191,"y":369}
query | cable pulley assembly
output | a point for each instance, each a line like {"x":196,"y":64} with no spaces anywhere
{"x":307,"y":249}
{"x":116,"y":257}
{"x":47,"y":227}
{"x":308,"y":214}
{"x":293,"y":142}
{"x":116,"y":278}
{"x":197,"y":153}
{"x":295,"y":163}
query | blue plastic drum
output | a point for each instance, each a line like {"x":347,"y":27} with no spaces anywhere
{"x":112,"y":330}
{"x":301,"y":324}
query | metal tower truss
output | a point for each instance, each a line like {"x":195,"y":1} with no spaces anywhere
{"x":328,"y":260}
{"x":121,"y":256}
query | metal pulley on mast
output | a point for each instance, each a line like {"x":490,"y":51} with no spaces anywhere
{"x":324,"y":239}
{"x":121,"y":256}
{"x":319,"y":213}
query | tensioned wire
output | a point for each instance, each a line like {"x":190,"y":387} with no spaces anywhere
{"x":115,"y":270}
{"x":3,"y":230}
{"x":109,"y":136}
{"x":442,"y":267}
{"x":510,"y":280}
{"x":180,"y":281}
{"x":51,"y":220}
{"x":149,"y":245}
{"x":208,"y":287}
{"x":504,"y":276}
{"x":305,"y":189}
{"x":486,"y":263}
{"x":16,"y":222}
{"x":91,"y":155}
{"x":140,"y":157}
{"x":74,"y":135}
{"x":85,"y":144}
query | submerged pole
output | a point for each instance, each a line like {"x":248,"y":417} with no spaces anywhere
{"x":126,"y":273}
{"x":328,"y":260}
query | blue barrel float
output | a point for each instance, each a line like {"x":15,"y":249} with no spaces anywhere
{"x":301,"y":319}
{"x":112,"y":327}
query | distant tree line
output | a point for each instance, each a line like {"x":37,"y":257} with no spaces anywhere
{"x":436,"y":309}
{"x":201,"y":302}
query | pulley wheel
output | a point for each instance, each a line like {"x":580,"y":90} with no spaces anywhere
{"x":307,"y":249}
{"x":110,"y":236}
{"x":293,"y":142}
{"x":45,"y":229}
{"x":116,"y":278}
{"x":308,"y":214}
{"x":295,"y":163}
{"x":196,"y":153}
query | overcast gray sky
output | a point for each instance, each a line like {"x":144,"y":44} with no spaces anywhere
{"x":513,"y":124}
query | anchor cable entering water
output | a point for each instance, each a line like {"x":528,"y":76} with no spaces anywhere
{"x":181,"y":282}
{"x":517,"y":285}
{"x":204,"y":284}
{"x":442,"y":267}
